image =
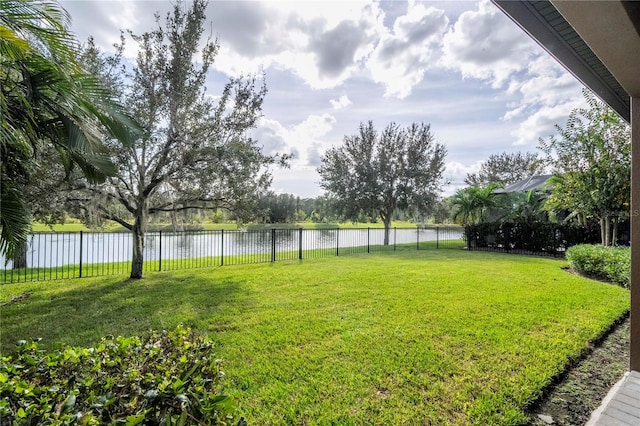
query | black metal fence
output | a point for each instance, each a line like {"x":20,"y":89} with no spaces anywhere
{"x":538,"y":238}
{"x":51,"y":256}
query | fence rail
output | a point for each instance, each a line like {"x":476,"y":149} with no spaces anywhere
{"x":51,"y":256}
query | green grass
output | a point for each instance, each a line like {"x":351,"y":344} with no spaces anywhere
{"x":123,"y":268}
{"x":412,"y":337}
{"x":74,"y":226}
{"x":114,"y":227}
{"x":352,"y":225}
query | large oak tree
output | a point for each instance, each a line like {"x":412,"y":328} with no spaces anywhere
{"x":399,"y":169}
{"x":195,"y":152}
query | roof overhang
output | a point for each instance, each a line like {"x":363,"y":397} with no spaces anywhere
{"x":584,"y":36}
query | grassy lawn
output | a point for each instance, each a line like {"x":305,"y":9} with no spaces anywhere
{"x":115,"y":227}
{"x":124,"y":268}
{"x":75,"y":226}
{"x":412,"y":337}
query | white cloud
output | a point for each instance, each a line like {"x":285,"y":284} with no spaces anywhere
{"x":415,"y":55}
{"x":484,"y":44}
{"x":546,"y":95}
{"x":305,"y":140}
{"x":541,"y":123}
{"x":105,"y":19}
{"x":456,"y":172}
{"x":547,"y":84}
{"x":340,"y":103}
{"x":324,"y":44}
{"x":402,"y":56}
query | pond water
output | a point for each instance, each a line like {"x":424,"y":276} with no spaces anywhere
{"x":59,"y":249}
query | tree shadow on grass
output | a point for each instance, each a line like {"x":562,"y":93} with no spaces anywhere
{"x":98,"y":307}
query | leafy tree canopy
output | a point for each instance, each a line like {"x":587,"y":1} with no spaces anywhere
{"x":591,"y":161}
{"x":505,"y":169}
{"x":195,"y":152}
{"x":379,"y":173}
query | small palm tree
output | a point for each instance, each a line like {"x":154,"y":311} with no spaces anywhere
{"x":472,"y":204}
{"x":528,"y":207}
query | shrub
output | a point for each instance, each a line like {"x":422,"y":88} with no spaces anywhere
{"x":537,"y":237}
{"x":607,"y":263}
{"x":163,"y":378}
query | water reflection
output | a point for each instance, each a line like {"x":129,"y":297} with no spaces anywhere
{"x":59,"y":249}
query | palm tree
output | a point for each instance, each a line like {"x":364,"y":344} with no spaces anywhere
{"x":46,"y":98}
{"x":528,"y":207}
{"x":472,"y":204}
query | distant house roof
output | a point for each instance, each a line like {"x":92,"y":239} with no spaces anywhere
{"x":533,"y":183}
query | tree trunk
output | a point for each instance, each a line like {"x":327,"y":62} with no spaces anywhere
{"x":20,"y":257}
{"x":605,"y":230}
{"x":614,"y":237}
{"x":138,"y":231}
{"x":174,"y":221}
{"x":387,"y":229}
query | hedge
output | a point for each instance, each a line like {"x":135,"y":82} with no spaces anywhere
{"x":607,"y":263}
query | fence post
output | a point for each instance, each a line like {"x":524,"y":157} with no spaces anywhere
{"x":417,"y":237}
{"x":300,"y":244}
{"x":273,"y":244}
{"x":437,"y":237}
{"x":80,"y":271}
{"x":160,"y":253}
{"x":337,"y":241}
{"x":395,"y":239}
{"x":368,"y":239}
{"x":222,"y":247}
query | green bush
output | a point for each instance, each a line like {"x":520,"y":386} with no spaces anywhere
{"x":607,"y":263}
{"x":165,"y":378}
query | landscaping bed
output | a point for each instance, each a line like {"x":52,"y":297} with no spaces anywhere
{"x":581,"y":391}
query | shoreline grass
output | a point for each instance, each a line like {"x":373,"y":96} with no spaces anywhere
{"x":232,"y":226}
{"x":411,"y":337}
{"x":72,"y":271}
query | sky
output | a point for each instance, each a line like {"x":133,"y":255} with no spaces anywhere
{"x":462,"y":66}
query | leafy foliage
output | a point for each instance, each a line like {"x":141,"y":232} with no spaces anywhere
{"x":526,"y":206}
{"x":504,"y":169}
{"x":533,"y":237}
{"x":591,"y":161}
{"x":195,"y":152}
{"x":282,"y":208}
{"x":399,"y":169}
{"x":471,"y":205}
{"x":164,"y":378}
{"x":48,"y":103}
{"x":607,"y":263}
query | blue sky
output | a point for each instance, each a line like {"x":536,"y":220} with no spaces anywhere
{"x":462,"y":66}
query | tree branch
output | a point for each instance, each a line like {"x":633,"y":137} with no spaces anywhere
{"x":166,"y":207}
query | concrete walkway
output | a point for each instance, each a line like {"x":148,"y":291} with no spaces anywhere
{"x":621,"y":406}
